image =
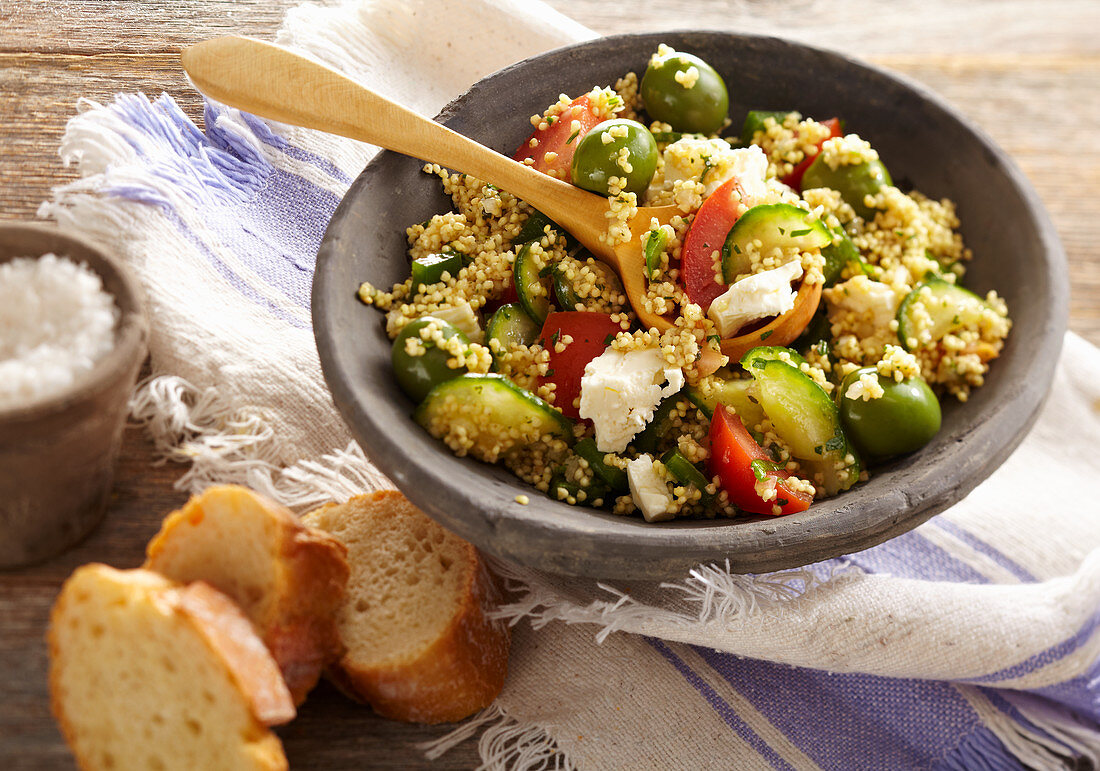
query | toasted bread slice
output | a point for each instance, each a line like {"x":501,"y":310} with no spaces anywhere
{"x":148,"y":674}
{"x":420,"y":645}
{"x":288,"y":578}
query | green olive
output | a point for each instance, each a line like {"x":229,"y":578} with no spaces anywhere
{"x":903,"y":419}
{"x":852,"y":181}
{"x":419,"y":374}
{"x":595,"y":162}
{"x":700,"y":108}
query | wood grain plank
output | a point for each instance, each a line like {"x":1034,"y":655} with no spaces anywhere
{"x":1026,"y":71}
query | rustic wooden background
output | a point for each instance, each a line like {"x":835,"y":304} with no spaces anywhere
{"x":1027,"y":71}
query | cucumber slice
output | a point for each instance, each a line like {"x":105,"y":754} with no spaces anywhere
{"x":564,"y":294}
{"x":491,"y":410}
{"x":655,"y":242}
{"x":511,"y":326}
{"x":808,"y":421}
{"x":771,"y":353}
{"x":614,"y":478}
{"x":685,"y":472}
{"x":738,"y":395}
{"x":754,"y":122}
{"x":774,"y":225}
{"x":429,"y":270}
{"x":949,"y":306}
{"x":530,"y":286}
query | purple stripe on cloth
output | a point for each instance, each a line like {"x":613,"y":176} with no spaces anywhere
{"x":911,"y":555}
{"x":719,"y":705}
{"x":264,"y":133}
{"x":982,"y":547}
{"x":1050,"y":655}
{"x":871,"y":722}
{"x":272,"y":221}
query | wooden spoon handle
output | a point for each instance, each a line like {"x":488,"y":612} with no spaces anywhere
{"x":272,"y":82}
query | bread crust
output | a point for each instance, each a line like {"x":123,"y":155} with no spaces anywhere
{"x":460,"y":672}
{"x":296,"y":620}
{"x":222,"y":626}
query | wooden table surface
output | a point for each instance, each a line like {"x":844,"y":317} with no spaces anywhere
{"x":1028,"y":72}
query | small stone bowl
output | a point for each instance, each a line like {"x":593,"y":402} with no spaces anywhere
{"x":58,"y":453}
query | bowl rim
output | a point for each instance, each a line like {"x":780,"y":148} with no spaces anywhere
{"x":131,"y":331}
{"x":647,"y":540}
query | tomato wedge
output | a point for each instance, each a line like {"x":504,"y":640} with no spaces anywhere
{"x":591,"y":333}
{"x":560,"y":138}
{"x":732,"y":451}
{"x":794,"y":179}
{"x":706,"y":235}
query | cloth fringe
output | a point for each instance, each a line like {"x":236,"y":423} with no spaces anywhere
{"x":711,"y":594}
{"x":225,"y":443}
{"x":504,"y":744}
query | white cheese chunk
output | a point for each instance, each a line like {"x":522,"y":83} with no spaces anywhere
{"x":714,"y":162}
{"x":620,"y":391}
{"x":464,"y":317}
{"x":648,"y":489}
{"x":754,"y":297}
{"x":873,"y":299}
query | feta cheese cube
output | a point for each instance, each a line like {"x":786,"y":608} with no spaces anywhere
{"x":874,"y":301}
{"x":620,"y":391}
{"x":713,"y":162}
{"x":648,"y":489}
{"x":464,"y":317}
{"x":758,"y":296}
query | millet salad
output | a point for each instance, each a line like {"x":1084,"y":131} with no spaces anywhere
{"x":520,"y":348}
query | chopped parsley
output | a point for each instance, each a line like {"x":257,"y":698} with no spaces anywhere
{"x":761,"y":468}
{"x":766,"y":335}
{"x":572,"y":137}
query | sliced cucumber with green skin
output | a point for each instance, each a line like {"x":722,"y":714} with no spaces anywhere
{"x":764,"y":353}
{"x":656,"y":241}
{"x":774,"y":225}
{"x":528,"y":283}
{"x":614,"y":478}
{"x":738,"y":395}
{"x":564,"y":294}
{"x":685,"y":472}
{"x":754,"y":122}
{"x":511,"y":326}
{"x":808,"y":421}
{"x":951,"y":307}
{"x":489,"y":407}
{"x":650,"y":437}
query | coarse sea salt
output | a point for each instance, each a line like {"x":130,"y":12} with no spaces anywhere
{"x":56,"y":322}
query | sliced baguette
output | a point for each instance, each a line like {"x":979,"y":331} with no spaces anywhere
{"x":146,"y":673}
{"x":420,"y":645}
{"x":288,"y":578}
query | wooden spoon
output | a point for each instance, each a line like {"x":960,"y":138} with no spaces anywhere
{"x":272,"y":82}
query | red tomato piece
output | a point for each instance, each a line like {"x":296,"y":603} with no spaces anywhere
{"x":732,"y":451}
{"x":708,"y":233}
{"x":794,"y":179}
{"x":509,"y":295}
{"x":591,"y":333}
{"x":560,"y":137}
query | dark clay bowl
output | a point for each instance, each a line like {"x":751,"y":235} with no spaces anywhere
{"x":926,"y":144}
{"x":58,"y":454}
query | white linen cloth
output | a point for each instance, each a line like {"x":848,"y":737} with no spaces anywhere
{"x":971,"y":642}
